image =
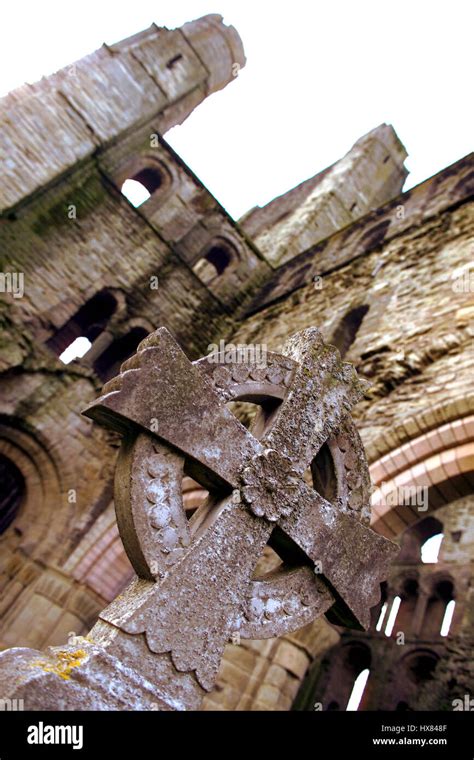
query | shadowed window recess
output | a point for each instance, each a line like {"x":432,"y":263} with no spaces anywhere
{"x":219,"y":256}
{"x":107,"y":365}
{"x":142,"y":185}
{"x":347,"y":329}
{"x":76,"y":336}
{"x":12,"y":491}
{"x":440,"y":610}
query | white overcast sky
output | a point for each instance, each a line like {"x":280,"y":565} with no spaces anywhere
{"x":318,"y":76}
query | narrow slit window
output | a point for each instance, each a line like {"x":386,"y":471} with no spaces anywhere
{"x":379,"y":625}
{"x":346,"y":331}
{"x":448,"y":617}
{"x":393,"y":615}
{"x":358,"y":691}
{"x":173,"y":61}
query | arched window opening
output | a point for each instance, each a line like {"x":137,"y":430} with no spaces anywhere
{"x":135,"y":192}
{"x":78,"y":348}
{"x":12,"y":491}
{"x":214,"y":262}
{"x":357,"y":667}
{"x":87,"y":324}
{"x":358,"y":690}
{"x":107,"y":365}
{"x":437,"y":617}
{"x":346,"y":331}
{"x":381,"y":617}
{"x":409,"y":597}
{"x":448,"y":617}
{"x":379,"y":611}
{"x":393,"y":615}
{"x":414,"y":544}
{"x":219,"y":257}
{"x":430,"y":549}
{"x":335,"y":682}
{"x":142,"y":185}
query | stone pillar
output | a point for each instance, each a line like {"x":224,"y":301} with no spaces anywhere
{"x":420,"y":611}
{"x":101,"y":343}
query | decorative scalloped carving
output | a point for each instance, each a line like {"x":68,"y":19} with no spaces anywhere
{"x":205,"y":590}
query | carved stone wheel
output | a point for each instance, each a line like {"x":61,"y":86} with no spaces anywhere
{"x":196,"y":584}
{"x":160,"y":642}
{"x":157,"y":533}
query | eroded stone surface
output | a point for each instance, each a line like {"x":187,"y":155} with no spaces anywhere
{"x":195,"y":587}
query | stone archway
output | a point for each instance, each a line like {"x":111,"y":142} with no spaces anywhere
{"x":12,"y":493}
{"x":37,"y":535}
{"x":439,"y":463}
{"x":40,"y":603}
{"x":432,"y":454}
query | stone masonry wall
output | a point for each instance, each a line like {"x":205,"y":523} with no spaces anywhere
{"x":414,"y":343}
{"x":68,"y":142}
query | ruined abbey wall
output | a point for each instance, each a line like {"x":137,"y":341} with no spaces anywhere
{"x":386,"y":276}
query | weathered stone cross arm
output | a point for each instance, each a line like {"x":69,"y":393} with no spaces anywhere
{"x":159,"y":644}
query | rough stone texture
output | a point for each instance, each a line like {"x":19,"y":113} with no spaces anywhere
{"x":371,"y":174}
{"x":414,"y":345}
{"x":407,"y":261}
{"x":415,"y":668}
{"x":66,"y":261}
{"x":34,"y":244}
{"x":89,"y":103}
{"x":418,"y":207}
{"x":269,"y":679}
{"x":194,"y":587}
{"x":404,"y":344}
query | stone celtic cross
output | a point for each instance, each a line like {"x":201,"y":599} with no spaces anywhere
{"x":159,"y":644}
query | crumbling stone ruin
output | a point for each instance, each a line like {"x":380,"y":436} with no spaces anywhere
{"x":387,"y":278}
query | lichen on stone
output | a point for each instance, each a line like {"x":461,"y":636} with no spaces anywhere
{"x":65,"y":663}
